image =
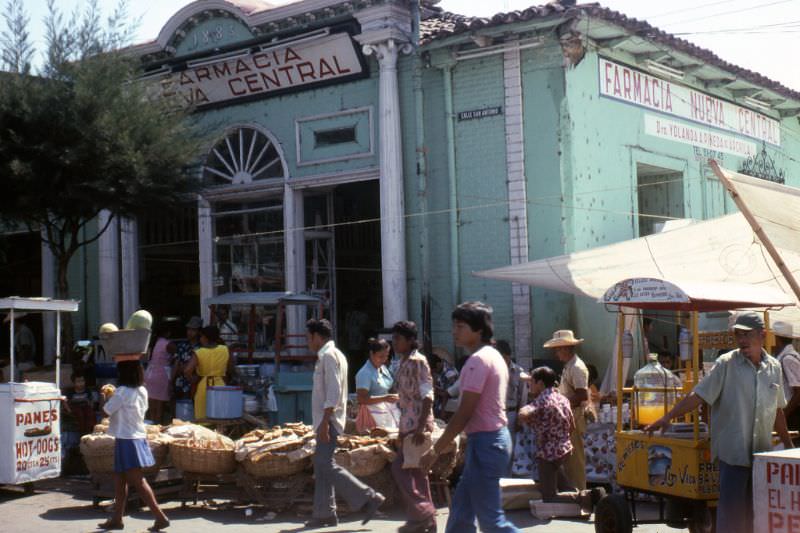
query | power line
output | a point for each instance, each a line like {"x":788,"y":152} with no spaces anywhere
{"x":741,"y":10}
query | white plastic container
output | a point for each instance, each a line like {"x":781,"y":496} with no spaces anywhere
{"x":30,"y":432}
{"x":224,"y":401}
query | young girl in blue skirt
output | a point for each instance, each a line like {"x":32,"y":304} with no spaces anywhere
{"x":126,"y":406}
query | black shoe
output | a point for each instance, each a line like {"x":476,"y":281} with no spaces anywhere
{"x":317,"y":523}
{"x":110,"y":525}
{"x":371,"y":507}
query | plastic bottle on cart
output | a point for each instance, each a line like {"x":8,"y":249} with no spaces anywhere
{"x":685,"y":344}
{"x":653,"y":404}
{"x":627,"y":344}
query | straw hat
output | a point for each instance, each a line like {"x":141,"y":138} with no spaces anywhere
{"x":563,"y":337}
{"x":443,"y":354}
{"x":783,"y":329}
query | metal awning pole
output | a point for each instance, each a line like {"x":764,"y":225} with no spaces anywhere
{"x":757,"y":229}
{"x":58,"y":349}
{"x":12,"y":377}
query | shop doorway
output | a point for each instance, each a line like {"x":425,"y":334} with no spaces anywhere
{"x":169,"y":283}
{"x":343,"y":261}
{"x":21,"y":275}
{"x":359,"y":302}
{"x":660,"y":196}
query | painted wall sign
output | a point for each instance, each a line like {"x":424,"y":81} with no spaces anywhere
{"x":480,"y":113}
{"x":698,"y":136}
{"x":776,"y":491}
{"x":284,"y":67}
{"x":635,"y":87}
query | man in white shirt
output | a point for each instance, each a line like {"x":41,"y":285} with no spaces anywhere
{"x":790,"y":365}
{"x":228,"y":331}
{"x":328,"y":401}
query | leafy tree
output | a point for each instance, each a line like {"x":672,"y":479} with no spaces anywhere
{"x":80,"y":135}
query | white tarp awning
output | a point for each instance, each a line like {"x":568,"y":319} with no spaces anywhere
{"x":724,"y":249}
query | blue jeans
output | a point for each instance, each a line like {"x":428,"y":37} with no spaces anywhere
{"x":478,"y":490}
{"x":735,"y":506}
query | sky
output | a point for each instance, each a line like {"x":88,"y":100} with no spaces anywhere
{"x":760,"y":35}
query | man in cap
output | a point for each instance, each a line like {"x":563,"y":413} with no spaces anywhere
{"x":790,"y":364}
{"x":575,"y":386}
{"x":745,"y":393}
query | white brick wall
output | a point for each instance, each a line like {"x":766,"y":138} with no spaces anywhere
{"x":517,"y":205}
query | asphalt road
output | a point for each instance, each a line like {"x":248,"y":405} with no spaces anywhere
{"x":65,"y":506}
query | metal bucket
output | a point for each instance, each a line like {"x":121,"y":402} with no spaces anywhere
{"x":184,"y":410}
{"x":251,"y":404}
{"x":224,"y":401}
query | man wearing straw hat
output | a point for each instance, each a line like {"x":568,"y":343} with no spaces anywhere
{"x":575,"y":386}
{"x":790,"y":365}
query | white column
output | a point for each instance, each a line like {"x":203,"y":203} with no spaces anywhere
{"x":517,"y":201}
{"x":393,"y":239}
{"x":205,"y":238}
{"x":49,"y":290}
{"x":129,"y":255}
{"x":295,"y":252}
{"x":108,"y":268}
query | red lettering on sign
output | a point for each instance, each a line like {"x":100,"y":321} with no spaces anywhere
{"x":203,"y":73}
{"x":288,"y":72}
{"x":20,"y":418}
{"x":291,"y":55}
{"x":261,"y":60}
{"x":339,"y":68}
{"x":325,"y":69}
{"x":270,"y":77}
{"x":237,"y":92}
{"x":252,"y":83}
{"x":775,"y":521}
{"x":241,"y":66}
{"x":306,"y":70}
{"x":222,"y":69}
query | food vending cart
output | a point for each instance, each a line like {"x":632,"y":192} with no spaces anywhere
{"x":675,"y":467}
{"x":30,"y":412}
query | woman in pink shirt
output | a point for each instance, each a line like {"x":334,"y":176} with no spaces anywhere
{"x":482,"y":415}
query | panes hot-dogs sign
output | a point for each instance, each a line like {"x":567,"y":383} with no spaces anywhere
{"x":639,"y":88}
{"x":271,"y":69}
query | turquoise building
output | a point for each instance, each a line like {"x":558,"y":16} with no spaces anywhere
{"x":377,"y":152}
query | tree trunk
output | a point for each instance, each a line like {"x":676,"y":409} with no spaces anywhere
{"x":62,"y":292}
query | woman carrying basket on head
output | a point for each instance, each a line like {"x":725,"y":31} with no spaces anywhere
{"x":211,"y":363}
{"x":126,"y":406}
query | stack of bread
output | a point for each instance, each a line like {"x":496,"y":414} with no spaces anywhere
{"x":200,"y":450}
{"x":97,"y":448}
{"x":364,"y":455}
{"x":277,"y":452}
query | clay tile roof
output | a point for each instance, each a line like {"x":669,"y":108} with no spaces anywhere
{"x":439,"y":24}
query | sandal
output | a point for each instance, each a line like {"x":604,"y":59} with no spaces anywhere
{"x":110,"y":525}
{"x":158,"y":525}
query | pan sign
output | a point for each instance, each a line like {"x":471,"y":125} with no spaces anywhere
{"x":270,"y":70}
{"x":776,"y":491}
{"x":37,"y":445}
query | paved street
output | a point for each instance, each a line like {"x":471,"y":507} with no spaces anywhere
{"x":65,"y":506}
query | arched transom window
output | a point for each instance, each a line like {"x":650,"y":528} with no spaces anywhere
{"x":243,"y":156}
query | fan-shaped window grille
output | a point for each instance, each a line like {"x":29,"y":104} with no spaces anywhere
{"x":243,"y":156}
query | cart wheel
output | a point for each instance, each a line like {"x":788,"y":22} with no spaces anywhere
{"x":703,"y":521}
{"x":613,"y":515}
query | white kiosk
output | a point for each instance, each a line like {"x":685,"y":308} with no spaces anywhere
{"x":30,"y":412}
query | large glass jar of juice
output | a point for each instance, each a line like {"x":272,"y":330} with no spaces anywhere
{"x":652,"y":404}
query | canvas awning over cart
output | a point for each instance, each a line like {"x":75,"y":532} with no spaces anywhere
{"x":721,"y":250}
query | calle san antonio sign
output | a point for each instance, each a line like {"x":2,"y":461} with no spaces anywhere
{"x":268,"y":70}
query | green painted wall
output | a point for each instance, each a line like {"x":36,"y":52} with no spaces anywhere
{"x":607,"y":141}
